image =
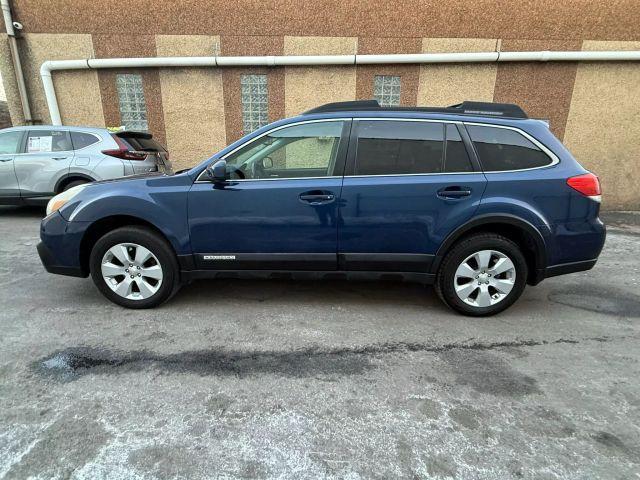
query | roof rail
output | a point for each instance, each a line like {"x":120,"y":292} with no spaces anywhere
{"x":490,"y":109}
{"x":345,"y":106}
{"x":484,"y":109}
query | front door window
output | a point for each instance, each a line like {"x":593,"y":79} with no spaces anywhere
{"x":299,"y":151}
{"x":10,"y":142}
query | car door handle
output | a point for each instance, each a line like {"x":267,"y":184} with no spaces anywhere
{"x":6,"y":159}
{"x":58,"y":158}
{"x":317,"y":198}
{"x":454,"y":192}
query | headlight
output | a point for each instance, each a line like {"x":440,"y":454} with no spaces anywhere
{"x":57,"y":202}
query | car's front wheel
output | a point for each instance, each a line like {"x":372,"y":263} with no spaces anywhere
{"x":482,"y":275}
{"x":134,"y":267}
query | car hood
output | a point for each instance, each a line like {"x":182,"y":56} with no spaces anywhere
{"x":131,"y":177}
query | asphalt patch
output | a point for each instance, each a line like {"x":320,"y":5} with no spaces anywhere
{"x":488,"y":373}
{"x":71,"y":363}
{"x":616,"y":446}
{"x":594,"y":298}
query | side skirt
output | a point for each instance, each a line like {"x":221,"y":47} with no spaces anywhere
{"x":414,"y":277}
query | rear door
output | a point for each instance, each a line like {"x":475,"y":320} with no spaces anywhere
{"x":45,"y":158}
{"x":9,"y":146}
{"x":408,"y":183}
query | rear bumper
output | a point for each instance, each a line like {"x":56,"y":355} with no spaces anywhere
{"x":572,"y":267}
{"x":572,"y":247}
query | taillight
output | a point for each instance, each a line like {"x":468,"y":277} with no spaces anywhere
{"x":587,"y":184}
{"x":124,"y":152}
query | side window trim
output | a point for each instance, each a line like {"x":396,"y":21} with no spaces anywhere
{"x":341,"y":152}
{"x":346,"y":128}
{"x":23,"y":143}
{"x":468,"y":145}
{"x":350,"y":164}
{"x":552,"y":156}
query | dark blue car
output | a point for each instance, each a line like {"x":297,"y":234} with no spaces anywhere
{"x":476,"y":198}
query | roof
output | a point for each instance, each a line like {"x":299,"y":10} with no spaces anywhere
{"x":75,"y":128}
{"x":481,"y":109}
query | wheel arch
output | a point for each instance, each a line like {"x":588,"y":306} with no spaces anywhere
{"x":523,"y":233}
{"x":68,"y":178}
{"x":107,"y":224}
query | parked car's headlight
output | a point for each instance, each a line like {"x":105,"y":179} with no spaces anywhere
{"x":57,"y":202}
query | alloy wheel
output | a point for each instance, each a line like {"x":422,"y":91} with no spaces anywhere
{"x":131,"y":271}
{"x":484,"y":278}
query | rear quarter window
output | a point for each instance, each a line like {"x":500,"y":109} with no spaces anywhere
{"x":81,"y":140}
{"x":501,"y":149}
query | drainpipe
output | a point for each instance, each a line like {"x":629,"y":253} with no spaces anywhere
{"x":278,"y":61}
{"x":17,"y":64}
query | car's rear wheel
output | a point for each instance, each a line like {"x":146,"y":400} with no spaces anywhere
{"x":74,"y":183}
{"x":134,"y":267}
{"x":482,"y":275}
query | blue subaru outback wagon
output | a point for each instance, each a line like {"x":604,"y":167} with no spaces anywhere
{"x":476,"y":198}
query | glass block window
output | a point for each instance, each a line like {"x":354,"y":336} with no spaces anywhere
{"x":133,"y":108}
{"x":386,"y":89}
{"x":255,"y":102}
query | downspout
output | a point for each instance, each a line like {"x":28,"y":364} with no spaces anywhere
{"x":17,"y":64}
{"x":278,"y":61}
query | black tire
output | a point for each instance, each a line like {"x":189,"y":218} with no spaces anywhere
{"x":75,"y":183}
{"x":155,"y":244}
{"x":445,"y":280}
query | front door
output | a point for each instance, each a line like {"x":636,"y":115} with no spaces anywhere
{"x":9,"y":145}
{"x":278,"y":211}
{"x":407,"y":185}
{"x":47,"y":155}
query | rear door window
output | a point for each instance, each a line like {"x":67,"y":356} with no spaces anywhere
{"x":399,"y":147}
{"x":502,"y":149}
{"x":43,"y":141}
{"x":81,"y":140}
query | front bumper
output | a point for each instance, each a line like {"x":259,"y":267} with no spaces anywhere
{"x":60,"y":247}
{"x":52,"y":265}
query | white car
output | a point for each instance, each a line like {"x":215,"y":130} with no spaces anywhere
{"x":37,"y":162}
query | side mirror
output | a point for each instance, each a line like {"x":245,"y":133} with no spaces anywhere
{"x":267,"y":163}
{"x":217,"y":171}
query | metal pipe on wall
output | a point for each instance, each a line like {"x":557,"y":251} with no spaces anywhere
{"x":15,"y":58}
{"x":277,"y":61}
